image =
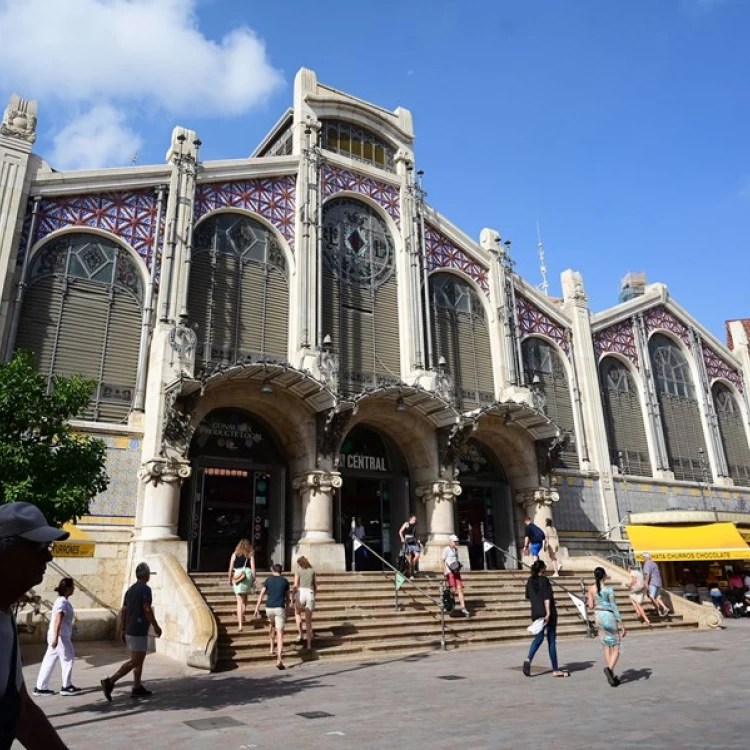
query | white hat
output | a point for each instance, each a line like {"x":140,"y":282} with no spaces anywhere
{"x":646,"y":555}
{"x":28,"y":522}
{"x":453,"y":538}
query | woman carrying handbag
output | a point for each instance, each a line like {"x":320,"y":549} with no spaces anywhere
{"x":242,"y":577}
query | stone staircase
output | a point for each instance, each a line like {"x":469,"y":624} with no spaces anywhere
{"x":355,"y":616}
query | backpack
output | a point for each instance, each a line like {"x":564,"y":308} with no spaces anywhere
{"x":449,"y":601}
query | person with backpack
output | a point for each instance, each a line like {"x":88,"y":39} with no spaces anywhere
{"x":452,"y":569}
{"x":534,"y":539}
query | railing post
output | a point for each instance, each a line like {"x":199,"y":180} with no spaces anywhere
{"x":584,"y":598}
{"x":484,"y":551}
{"x":354,"y":551}
{"x":443,"y":646}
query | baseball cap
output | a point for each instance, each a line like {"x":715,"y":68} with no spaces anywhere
{"x":143,"y":569}
{"x":28,"y":522}
{"x":453,"y":538}
{"x":646,"y":555}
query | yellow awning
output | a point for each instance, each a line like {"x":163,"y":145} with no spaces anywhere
{"x":78,"y":544}
{"x":711,"y":541}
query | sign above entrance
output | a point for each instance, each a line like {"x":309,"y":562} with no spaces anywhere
{"x":233,"y":433}
{"x":363,"y":463}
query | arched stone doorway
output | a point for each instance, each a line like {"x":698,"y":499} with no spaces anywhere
{"x":484,"y":509}
{"x":375,"y":488}
{"x":237,"y":490}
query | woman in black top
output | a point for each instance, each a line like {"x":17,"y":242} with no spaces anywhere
{"x":539,"y":593}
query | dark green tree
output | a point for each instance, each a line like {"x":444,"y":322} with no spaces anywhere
{"x":42,"y":459}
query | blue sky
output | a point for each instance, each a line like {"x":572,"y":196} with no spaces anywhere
{"x":623,"y":127}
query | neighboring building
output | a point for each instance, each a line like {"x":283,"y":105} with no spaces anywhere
{"x":285,"y":341}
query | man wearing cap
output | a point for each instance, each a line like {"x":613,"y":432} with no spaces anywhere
{"x":25,"y":540}
{"x":652,"y":577}
{"x":135,"y":617}
{"x":452,"y":570}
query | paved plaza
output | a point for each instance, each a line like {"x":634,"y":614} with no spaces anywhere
{"x":680,"y":690}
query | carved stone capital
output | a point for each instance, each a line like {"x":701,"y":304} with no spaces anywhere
{"x":537,"y":497}
{"x":19,"y":119}
{"x":438,"y":490}
{"x":169,"y":471}
{"x":317,"y":481}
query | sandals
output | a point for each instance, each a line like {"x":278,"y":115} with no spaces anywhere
{"x":611,"y":679}
{"x":561,"y":673}
{"x":527,"y":668}
{"x":279,"y":665}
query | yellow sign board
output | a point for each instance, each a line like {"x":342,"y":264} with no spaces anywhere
{"x":714,"y":541}
{"x":78,"y":544}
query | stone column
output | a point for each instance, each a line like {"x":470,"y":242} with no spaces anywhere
{"x":438,"y":496}
{"x":17,"y":135}
{"x":161,"y":498}
{"x":537,"y":505}
{"x":317,"y":542}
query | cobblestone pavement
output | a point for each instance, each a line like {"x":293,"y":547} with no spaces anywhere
{"x":679,"y":690}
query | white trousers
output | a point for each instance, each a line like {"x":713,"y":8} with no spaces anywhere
{"x":66,"y":654}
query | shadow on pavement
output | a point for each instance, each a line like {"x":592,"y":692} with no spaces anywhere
{"x":633,"y":675}
{"x":579,"y":666}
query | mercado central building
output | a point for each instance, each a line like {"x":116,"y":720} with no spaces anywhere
{"x":286,"y":341}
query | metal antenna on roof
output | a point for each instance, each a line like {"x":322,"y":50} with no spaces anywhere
{"x":544,"y":286}
{"x":134,"y":157}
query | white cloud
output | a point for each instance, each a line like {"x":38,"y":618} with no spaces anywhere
{"x":99,"y":136}
{"x":113,"y":57}
{"x":141,"y":50}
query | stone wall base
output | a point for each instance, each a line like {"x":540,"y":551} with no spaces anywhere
{"x":325,"y":557}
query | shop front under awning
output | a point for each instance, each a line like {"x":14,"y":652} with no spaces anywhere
{"x":78,"y":544}
{"x":711,"y":541}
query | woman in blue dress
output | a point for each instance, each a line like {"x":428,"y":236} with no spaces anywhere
{"x":608,"y":620}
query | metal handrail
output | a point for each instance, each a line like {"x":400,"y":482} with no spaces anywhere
{"x":438,"y":604}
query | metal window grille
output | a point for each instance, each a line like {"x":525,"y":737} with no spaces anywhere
{"x":541,"y":362}
{"x":81,"y":315}
{"x":733,"y":434}
{"x":357,"y":143}
{"x":624,"y":419}
{"x":239,"y":292}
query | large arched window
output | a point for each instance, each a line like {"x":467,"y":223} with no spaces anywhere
{"x":82,"y":315}
{"x":357,"y":143}
{"x":624,"y":419}
{"x":547,"y":377}
{"x":680,"y":410}
{"x":360,"y":295}
{"x":733,"y":435}
{"x":239,"y":292}
{"x":461,"y":336}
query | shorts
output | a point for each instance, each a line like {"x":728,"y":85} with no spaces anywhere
{"x":137,"y":643}
{"x":653,"y":591}
{"x":276,"y":616}
{"x":536,"y":548}
{"x":305,"y":599}
{"x":412,"y":549}
{"x":638,"y":596}
{"x":454,"y":580}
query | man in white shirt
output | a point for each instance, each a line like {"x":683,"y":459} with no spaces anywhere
{"x":25,"y":540}
{"x":452,"y":570}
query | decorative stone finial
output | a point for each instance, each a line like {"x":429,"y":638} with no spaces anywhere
{"x":184,"y":144}
{"x":572,"y":284}
{"x":489,"y":239}
{"x":19,"y":120}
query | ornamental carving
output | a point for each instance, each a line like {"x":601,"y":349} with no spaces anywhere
{"x":659,"y":317}
{"x":539,"y":496}
{"x":317,"y":481}
{"x":19,"y":119}
{"x":451,"y":444}
{"x":178,"y":428}
{"x":617,"y":339}
{"x":532,"y":320}
{"x":169,"y":470}
{"x":273,"y":198}
{"x":330,"y":427}
{"x":549,"y":453}
{"x":336,"y":180}
{"x":716,"y":367}
{"x":439,"y":490}
{"x":442,"y":253}
{"x":131,"y":216}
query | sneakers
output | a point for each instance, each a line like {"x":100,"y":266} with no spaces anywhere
{"x":70,"y":690}
{"x":39,"y":693}
{"x":465,"y":612}
{"x":107,"y":688}
{"x":140,"y":692}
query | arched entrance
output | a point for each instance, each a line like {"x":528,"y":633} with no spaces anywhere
{"x":483,"y":509}
{"x":376,"y":489}
{"x":237,"y":491}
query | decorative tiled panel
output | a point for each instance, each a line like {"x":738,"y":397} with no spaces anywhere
{"x":123,"y":460}
{"x":646,"y":497}
{"x":533,"y":320}
{"x":131,"y":216}
{"x":660,"y":317}
{"x":716,"y":367}
{"x":580,"y":505}
{"x":270,"y":197}
{"x":617,"y":339}
{"x":336,"y":180}
{"x":442,"y":253}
